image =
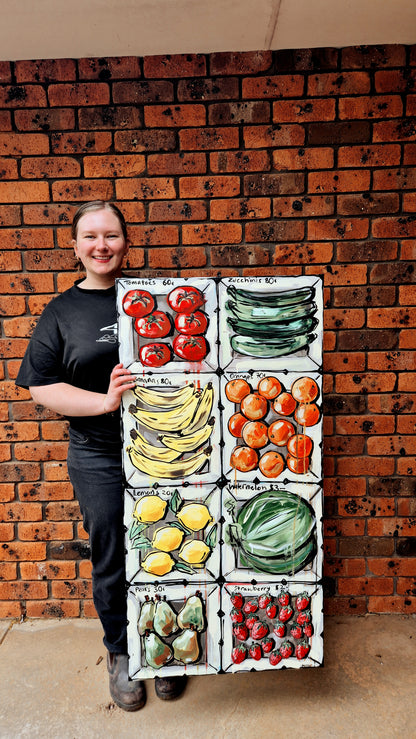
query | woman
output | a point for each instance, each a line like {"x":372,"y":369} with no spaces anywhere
{"x":71,"y":366}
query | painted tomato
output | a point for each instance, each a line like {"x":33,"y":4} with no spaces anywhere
{"x":191,"y":348}
{"x":191,"y":324}
{"x":138,"y":303}
{"x":155,"y":355}
{"x":154,"y":326}
{"x":185,"y":299}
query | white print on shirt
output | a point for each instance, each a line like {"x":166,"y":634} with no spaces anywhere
{"x":110,"y":338}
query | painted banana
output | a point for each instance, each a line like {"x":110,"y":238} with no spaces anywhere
{"x":169,"y":470}
{"x":203,"y":411}
{"x":161,"y":399}
{"x":188,"y":442}
{"x":151,"y":451}
{"x":172,"y":420}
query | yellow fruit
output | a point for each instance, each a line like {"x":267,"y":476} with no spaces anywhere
{"x":195,"y":516}
{"x":158,"y":563}
{"x":167,"y":538}
{"x":194,"y":552}
{"x":149,"y":509}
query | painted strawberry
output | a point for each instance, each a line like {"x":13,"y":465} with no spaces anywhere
{"x":296,"y":631}
{"x":255,"y":651}
{"x":285,"y":613}
{"x":275,"y":657}
{"x":307,"y":629}
{"x":286,"y":649}
{"x":259,"y":630}
{"x":302,"y":601}
{"x":240,"y":632}
{"x":264,"y":600}
{"x":239,"y":654}
{"x":237,"y":616}
{"x":267,"y":644}
{"x":237,"y":599}
{"x":284,"y":598}
{"x":279,"y":629}
{"x":250,"y":621}
{"x":304,"y":617}
{"x":302,"y":650}
{"x":271,"y":610}
{"x":251,"y":606}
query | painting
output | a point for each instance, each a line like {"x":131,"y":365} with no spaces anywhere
{"x":222,"y":461}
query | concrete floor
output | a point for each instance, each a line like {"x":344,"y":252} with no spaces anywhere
{"x":53,"y":684}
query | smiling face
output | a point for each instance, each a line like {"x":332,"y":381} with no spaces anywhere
{"x":101,"y":246}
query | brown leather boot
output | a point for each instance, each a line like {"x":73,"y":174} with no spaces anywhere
{"x":168,"y":688}
{"x":130,"y":695}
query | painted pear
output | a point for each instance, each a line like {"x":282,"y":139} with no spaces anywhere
{"x":156,"y":651}
{"x":164,"y":621}
{"x":145,"y":621}
{"x":186,"y":647}
{"x":192,"y":614}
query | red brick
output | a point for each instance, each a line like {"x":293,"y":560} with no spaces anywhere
{"x":394,"y":227}
{"x":409,"y":155}
{"x":214,"y":88}
{"x":81,"y":533}
{"x":13,"y":512}
{"x":235,"y":113}
{"x":339,"y":181}
{"x":372,"y":204}
{"x":286,"y":111}
{"x":5,"y":72}
{"x":212,"y":233}
{"x":344,"y":362}
{"x":63,"y":511}
{"x":37,"y":303}
{"x":54,"y":260}
{"x":314,"y":158}
{"x":88,"y":609}
{"x":407,"y":339}
{"x":19,"y":551}
{"x":24,"y":192}
{"x":349,"y":274}
{"x":388,"y":526}
{"x":272,"y":86}
{"x":305,"y":253}
{"x":336,"y":445}
{"x":116,"y":117}
{"x":344,"y":527}
{"x":8,"y":571}
{"x":240,"y":209}
{"x":343,"y":486}
{"x":369,"y":156}
{"x":81,"y":190}
{"x":22,"y":96}
{"x":79,"y":93}
{"x":209,"y":187}
{"x":399,"y":272}
{"x":403,"y":445}
{"x":174,"y":65}
{"x":142,"y":92}
{"x":409,"y":202}
{"x":40,"y":451}
{"x":146,"y":188}
{"x":394,"y":403}
{"x":85,"y":570}
{"x":45,"y":70}
{"x":406,"y":506}
{"x":364,"y":296}
{"x":345,"y":606}
{"x":284,"y":183}
{"x":41,"y":119}
{"x":391,"y":317}
{"x":344,"y":83}
{"x":223,"y":256}
{"x":17,"y":144}
{"x":393,"y":567}
{"x":208,"y":138}
{"x":8,"y":169}
{"x":259,"y":137}
{"x":27,"y":238}
{"x":24,"y":590}
{"x":109,"y":68}
{"x":411,"y":108}
{"x":243,"y":62}
{"x":394,"y":179}
{"x":408,"y":250}
{"x":240,"y":161}
{"x":10,"y":215}
{"x":45,"y":531}
{"x":72,"y":589}
{"x":406,"y":465}
{"x":374,"y":106}
{"x":178,"y":210}
{"x":174,"y":116}
{"x":74,"y":143}
{"x":366,"y":507}
{"x":5,"y":120}
{"x":364,"y":586}
{"x":57,"y":471}
{"x":171,"y":164}
{"x":407,"y":294}
{"x":19,"y":431}
{"x":7,"y":492}
{"x":368,"y":382}
{"x":6,"y":532}
{"x":318,"y":205}
{"x":351,"y":466}
{"x":49,"y":167}
{"x":373,"y":57}
{"x":150,"y":140}
{"x":401,"y":130}
{"x":178,"y":258}
{"x":52,"y":609}
{"x":133,"y":212}
{"x":344,"y":567}
{"x":279,"y":230}
{"x":154,"y":235}
{"x":26,"y":283}
{"x":52,"y":570}
{"x":44,"y":491}
{"x":338,"y":228}
{"x":10,"y":261}
{"x":394,"y":361}
{"x":114,"y":166}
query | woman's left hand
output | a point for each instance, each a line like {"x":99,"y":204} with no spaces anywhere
{"x":121,"y":379}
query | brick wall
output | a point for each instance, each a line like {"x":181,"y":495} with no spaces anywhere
{"x":293,"y":162}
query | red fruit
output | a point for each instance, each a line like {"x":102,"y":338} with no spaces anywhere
{"x":138,"y":303}
{"x":240,"y":632}
{"x":271,"y":610}
{"x":259,"y":630}
{"x":237,"y":599}
{"x":304,"y":617}
{"x":267,"y":644}
{"x":308,"y":629}
{"x":191,"y":324}
{"x":255,"y":651}
{"x":286,"y":649}
{"x":275,"y":657}
{"x":185,"y":299}
{"x":250,"y":621}
{"x":191,"y":348}
{"x":284,"y":598}
{"x":155,"y":354}
{"x":251,"y":606}
{"x":302,"y":650}
{"x":285,"y":613}
{"x":154,"y":326}
{"x":302,"y":601}
{"x":264,"y":600}
{"x":237,"y":616}
{"x":279,"y":629}
{"x":239,"y":654}
{"x":296,"y":631}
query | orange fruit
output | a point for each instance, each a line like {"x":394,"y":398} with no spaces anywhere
{"x":298,"y":465}
{"x":269,"y":387}
{"x":305,"y":390}
{"x":284,"y":404}
{"x":299,"y":445}
{"x":307,"y":414}
{"x":236,"y":390}
{"x":254,"y":406}
{"x":236,"y":423}
{"x":280,"y":432}
{"x":271,"y":464}
{"x":255,"y":434}
{"x":244,"y":459}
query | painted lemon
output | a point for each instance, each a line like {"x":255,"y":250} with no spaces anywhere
{"x":158,"y":563}
{"x":194,"y":552}
{"x":195,"y":516}
{"x":167,"y":538}
{"x":149,"y":509}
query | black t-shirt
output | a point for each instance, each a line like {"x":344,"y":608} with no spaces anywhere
{"x":75,"y":341}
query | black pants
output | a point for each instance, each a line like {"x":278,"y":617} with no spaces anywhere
{"x":96,"y":475}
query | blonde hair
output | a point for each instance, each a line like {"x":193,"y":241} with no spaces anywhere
{"x":95,"y":205}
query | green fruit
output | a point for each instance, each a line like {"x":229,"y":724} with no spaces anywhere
{"x":164,"y":621}
{"x":296,"y":296}
{"x":156,"y":651}
{"x":270,"y":348}
{"x":145,"y":621}
{"x":192,"y":614}
{"x":186,"y":647}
